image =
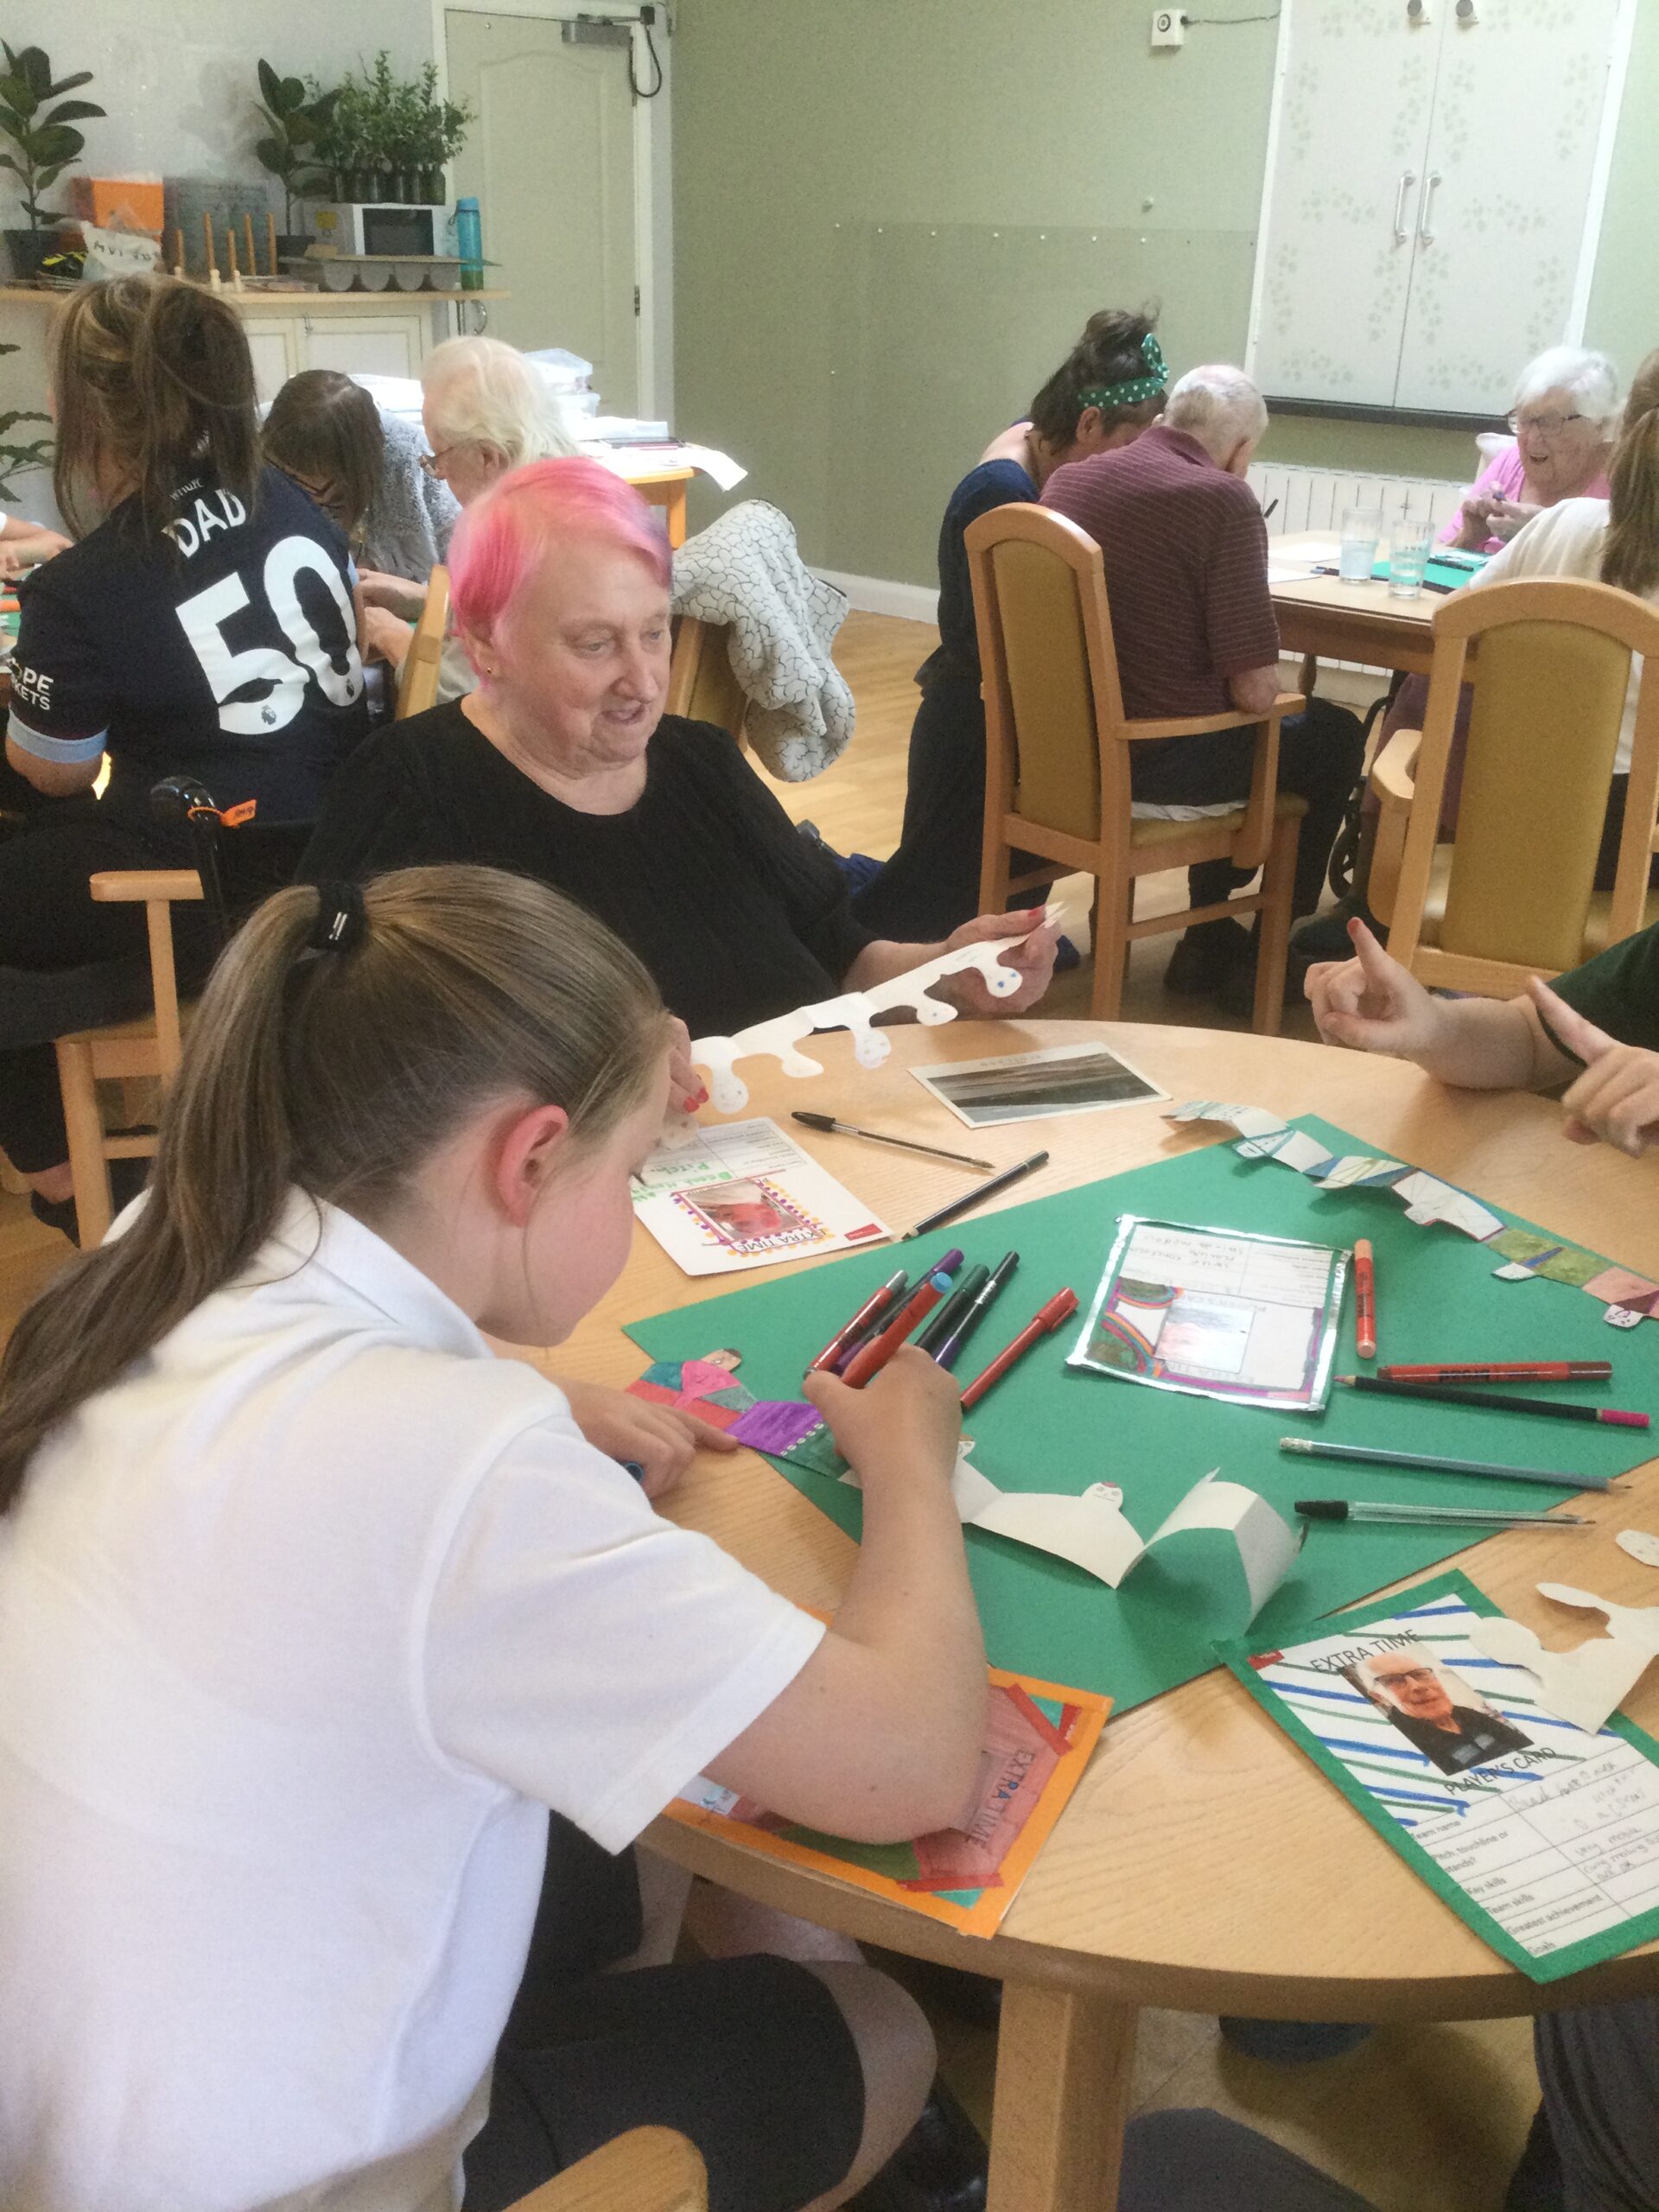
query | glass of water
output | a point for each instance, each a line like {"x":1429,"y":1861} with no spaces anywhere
{"x":1361,"y":529}
{"x":1408,"y":544}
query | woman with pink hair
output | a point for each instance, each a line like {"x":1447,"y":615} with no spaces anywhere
{"x":563,"y":767}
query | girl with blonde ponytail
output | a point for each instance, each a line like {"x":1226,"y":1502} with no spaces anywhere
{"x":311,"y":1608}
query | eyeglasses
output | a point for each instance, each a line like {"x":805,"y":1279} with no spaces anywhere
{"x":433,"y":463}
{"x":1542,"y":426}
{"x":1406,"y":1675}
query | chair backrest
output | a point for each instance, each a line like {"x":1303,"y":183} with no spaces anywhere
{"x":701,"y":684}
{"x":417,"y":679}
{"x":1549,"y":692}
{"x":1053,"y":706}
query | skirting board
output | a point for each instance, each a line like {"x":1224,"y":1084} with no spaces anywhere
{"x":877,"y":595}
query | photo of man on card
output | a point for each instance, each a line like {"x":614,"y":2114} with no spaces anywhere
{"x":1450,"y":1724}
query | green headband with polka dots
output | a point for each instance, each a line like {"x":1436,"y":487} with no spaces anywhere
{"x":1134,"y":389}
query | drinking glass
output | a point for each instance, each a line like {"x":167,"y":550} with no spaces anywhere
{"x":1361,"y":529}
{"x":1408,"y":544}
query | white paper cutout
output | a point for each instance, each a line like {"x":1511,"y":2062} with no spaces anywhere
{"x":1637,"y":1625}
{"x":1640,"y":1545}
{"x":1092,"y":1531}
{"x":1516,"y":1271}
{"x":1581,"y":1687}
{"x":854,"y":1010}
{"x":1620,"y":1317}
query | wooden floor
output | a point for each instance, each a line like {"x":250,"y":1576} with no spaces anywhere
{"x":1420,"y":2119}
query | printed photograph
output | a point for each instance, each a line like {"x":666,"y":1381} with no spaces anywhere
{"x":1037,"y":1086}
{"x":748,"y":1215}
{"x":1434,"y":1708}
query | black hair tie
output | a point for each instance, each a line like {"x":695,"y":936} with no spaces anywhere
{"x":341,"y":922}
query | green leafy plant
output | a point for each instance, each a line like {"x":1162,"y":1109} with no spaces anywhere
{"x":14,"y":458}
{"x":298,"y":117}
{"x":44,"y":137}
{"x":382,"y":126}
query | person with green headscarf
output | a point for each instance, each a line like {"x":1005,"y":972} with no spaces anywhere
{"x":1108,"y":388}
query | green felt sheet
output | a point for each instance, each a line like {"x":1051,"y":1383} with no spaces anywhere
{"x":1047,"y":1426}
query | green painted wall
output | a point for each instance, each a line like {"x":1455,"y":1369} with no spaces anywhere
{"x":893,"y":217}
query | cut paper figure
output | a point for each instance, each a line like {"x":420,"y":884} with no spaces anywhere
{"x":853,"y":1010}
{"x":709,"y":1389}
{"x":1581,"y":1687}
{"x":1640,"y":1544}
{"x":1637,"y":1625}
{"x":1627,"y":1299}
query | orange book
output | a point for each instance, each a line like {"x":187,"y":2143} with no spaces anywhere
{"x":1038,"y":1739}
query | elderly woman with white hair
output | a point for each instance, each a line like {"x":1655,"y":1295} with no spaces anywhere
{"x":485,"y":409}
{"x":1564,"y":418}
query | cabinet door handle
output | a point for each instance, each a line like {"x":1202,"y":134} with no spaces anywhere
{"x":1401,"y":233}
{"x":1424,"y":233}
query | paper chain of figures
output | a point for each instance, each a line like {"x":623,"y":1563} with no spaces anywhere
{"x":854,"y":1010}
{"x":1629,"y":1299}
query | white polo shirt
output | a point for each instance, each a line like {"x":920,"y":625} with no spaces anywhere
{"x":1567,"y":540}
{"x":302,"y":1626}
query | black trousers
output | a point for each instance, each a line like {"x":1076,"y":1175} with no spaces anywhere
{"x":1321,"y":753}
{"x":748,"y":2057}
{"x":931,"y":885}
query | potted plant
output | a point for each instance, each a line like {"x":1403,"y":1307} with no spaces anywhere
{"x":289,"y":151}
{"x":441,"y":135}
{"x":344,"y":142}
{"x":14,"y":458}
{"x":44,"y":141}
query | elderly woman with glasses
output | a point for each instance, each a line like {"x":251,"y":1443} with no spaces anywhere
{"x":1566,"y":403}
{"x":485,"y":409}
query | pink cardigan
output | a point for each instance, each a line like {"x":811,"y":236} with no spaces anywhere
{"x":1504,"y":478}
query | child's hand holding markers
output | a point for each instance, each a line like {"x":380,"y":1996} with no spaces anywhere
{"x":907,"y":1418}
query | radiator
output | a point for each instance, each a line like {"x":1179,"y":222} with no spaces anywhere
{"x":1317,"y":499}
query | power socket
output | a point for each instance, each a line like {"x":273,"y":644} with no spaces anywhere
{"x":1168,"y":27}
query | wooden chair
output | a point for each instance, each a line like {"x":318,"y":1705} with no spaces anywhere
{"x":1057,"y":780}
{"x":146,"y":1047}
{"x":701,"y":684}
{"x":648,"y":2170}
{"x":417,"y":679}
{"x":1513,"y":894}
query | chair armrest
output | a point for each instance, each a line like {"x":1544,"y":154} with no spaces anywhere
{"x":132,"y":887}
{"x":1288,"y":703}
{"x":648,"y":2170}
{"x":1392,"y":772}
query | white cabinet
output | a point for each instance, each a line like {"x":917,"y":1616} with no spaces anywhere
{"x":274,"y":353}
{"x":1433,"y":196}
{"x":383,"y":345}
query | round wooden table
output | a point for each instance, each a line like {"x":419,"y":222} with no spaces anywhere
{"x":1204,"y":1863}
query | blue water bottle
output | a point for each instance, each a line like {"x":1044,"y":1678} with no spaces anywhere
{"x":469,"y":245}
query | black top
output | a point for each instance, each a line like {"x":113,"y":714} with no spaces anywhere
{"x":737,"y":914}
{"x":1618,"y":990}
{"x":991,"y":484}
{"x":229,"y":655}
{"x":1480,"y":1736}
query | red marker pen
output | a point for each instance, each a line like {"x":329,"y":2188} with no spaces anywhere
{"x":879,"y":1350}
{"x":1062,"y":1303}
{"x":1365,"y":1299}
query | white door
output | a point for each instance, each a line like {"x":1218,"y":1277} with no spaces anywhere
{"x":1518,"y":115}
{"x":275,"y":359}
{"x":1351,"y":132}
{"x":550,"y":159}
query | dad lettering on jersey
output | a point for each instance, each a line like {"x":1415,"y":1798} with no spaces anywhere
{"x":191,"y":533}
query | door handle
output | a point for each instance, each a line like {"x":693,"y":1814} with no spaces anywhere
{"x":1401,"y":233}
{"x":1425,"y":235}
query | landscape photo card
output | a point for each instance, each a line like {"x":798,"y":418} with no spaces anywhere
{"x":1036,"y":1086}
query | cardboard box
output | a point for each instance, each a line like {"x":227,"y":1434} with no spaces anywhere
{"x":131,"y":203}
